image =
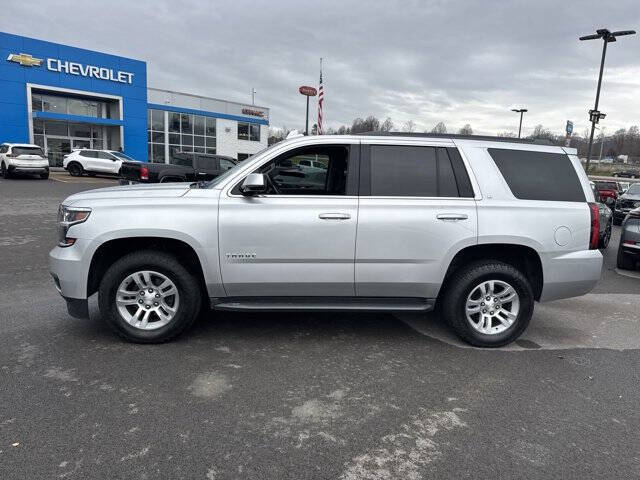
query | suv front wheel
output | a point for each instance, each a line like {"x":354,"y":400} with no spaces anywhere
{"x":488,"y":303}
{"x":149,"y":297}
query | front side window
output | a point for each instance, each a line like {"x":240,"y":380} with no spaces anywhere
{"x":287,"y":177}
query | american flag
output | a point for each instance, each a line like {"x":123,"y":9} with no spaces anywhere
{"x":320,"y":99}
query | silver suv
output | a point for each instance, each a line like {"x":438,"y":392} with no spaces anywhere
{"x":479,"y":227}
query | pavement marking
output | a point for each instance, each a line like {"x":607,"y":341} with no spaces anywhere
{"x":628,"y":273}
{"x":597,"y":320}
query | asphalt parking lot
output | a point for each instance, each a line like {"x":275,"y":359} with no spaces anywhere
{"x":301,"y":396}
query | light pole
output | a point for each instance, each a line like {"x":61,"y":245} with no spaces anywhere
{"x":595,"y":115}
{"x":521,"y":112}
{"x":253,"y":96}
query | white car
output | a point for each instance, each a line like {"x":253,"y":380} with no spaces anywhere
{"x":91,"y":161}
{"x":24,"y":158}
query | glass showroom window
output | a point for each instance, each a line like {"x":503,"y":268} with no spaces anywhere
{"x":155,"y":134}
{"x":191,"y":133}
{"x":249,"y":131}
{"x":69,"y":105}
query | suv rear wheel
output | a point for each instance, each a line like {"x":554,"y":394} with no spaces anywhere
{"x":75,"y":169}
{"x":4,"y":171}
{"x":624,"y":260}
{"x":149,"y":297}
{"x":488,"y":303}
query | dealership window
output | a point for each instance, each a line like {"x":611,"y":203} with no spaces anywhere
{"x":249,"y":131}
{"x":155,"y":134}
{"x":191,"y":133}
{"x":69,"y":105}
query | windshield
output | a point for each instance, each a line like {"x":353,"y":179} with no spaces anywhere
{"x":634,"y":189}
{"x":232,"y":171}
{"x":122,"y":155}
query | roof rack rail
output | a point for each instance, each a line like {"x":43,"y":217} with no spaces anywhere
{"x":537,"y":141}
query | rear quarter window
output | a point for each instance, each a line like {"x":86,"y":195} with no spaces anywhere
{"x":539,"y":175}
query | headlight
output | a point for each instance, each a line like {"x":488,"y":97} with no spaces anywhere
{"x":68,"y":216}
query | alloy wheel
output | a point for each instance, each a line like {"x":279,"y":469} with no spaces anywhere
{"x":147,"y":300}
{"x":492,"y":307}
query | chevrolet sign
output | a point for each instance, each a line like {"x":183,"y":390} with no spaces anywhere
{"x":24,"y":59}
{"x":73,"y":68}
{"x":102,"y":73}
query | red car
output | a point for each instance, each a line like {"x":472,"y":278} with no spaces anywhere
{"x":608,"y":191}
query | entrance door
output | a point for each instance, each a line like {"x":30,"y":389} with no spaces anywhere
{"x":298,"y":239}
{"x":57,"y":148}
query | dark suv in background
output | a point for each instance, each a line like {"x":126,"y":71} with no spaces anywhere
{"x":184,"y":167}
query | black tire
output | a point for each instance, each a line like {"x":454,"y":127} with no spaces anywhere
{"x":5,"y":171}
{"x":603,"y":242}
{"x":45,"y":175}
{"x":617,"y":221}
{"x":625,"y":261}
{"x":75,"y":169}
{"x":166,"y":264}
{"x":461,"y":284}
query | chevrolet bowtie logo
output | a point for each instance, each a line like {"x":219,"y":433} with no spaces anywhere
{"x":25,"y":60}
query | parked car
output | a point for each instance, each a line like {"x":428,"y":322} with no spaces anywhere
{"x":480,"y":227}
{"x":23,"y":158}
{"x":606,"y":219}
{"x":608,"y":191}
{"x":629,"y":248}
{"x":628,"y":173}
{"x":90,"y":161}
{"x":626,"y":202}
{"x":623,"y":187}
{"x":184,"y":167}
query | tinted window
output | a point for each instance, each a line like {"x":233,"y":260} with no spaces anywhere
{"x":105,"y":156}
{"x":446,"y":178}
{"x":181,"y":160}
{"x":226,"y":164}
{"x":403,"y":171}
{"x":89,"y":153}
{"x":207,"y":163}
{"x":27,"y":151}
{"x":607,"y":185}
{"x":539,"y":175}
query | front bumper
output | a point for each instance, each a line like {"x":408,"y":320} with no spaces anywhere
{"x":70,"y":269}
{"x":570,"y":274}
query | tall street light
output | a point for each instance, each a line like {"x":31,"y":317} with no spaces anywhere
{"x":521,"y":112}
{"x":595,"y":115}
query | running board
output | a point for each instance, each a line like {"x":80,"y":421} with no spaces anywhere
{"x":276,"y":304}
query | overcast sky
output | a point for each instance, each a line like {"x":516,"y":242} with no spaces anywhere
{"x":459,"y":61}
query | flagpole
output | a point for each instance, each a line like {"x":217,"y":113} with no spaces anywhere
{"x":320,"y":101}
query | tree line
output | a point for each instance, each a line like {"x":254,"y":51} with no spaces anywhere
{"x":622,"y":142}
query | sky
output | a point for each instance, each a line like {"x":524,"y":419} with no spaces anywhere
{"x":456,"y":61}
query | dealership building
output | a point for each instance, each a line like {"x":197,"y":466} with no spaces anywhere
{"x":64,"y":98}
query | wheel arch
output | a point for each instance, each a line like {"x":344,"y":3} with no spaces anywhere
{"x":523,"y":257}
{"x":113,"y":249}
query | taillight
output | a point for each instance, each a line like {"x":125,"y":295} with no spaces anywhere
{"x":595,"y":226}
{"x":144,"y":173}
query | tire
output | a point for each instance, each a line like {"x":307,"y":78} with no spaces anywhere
{"x":45,"y":175}
{"x":625,"y":261}
{"x":5,"y":171}
{"x":617,"y":221}
{"x":157,"y":264}
{"x":466,"y":281}
{"x":604,"y":241}
{"x":75,"y":169}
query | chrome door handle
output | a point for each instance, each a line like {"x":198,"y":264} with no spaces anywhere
{"x":452,"y":216}
{"x":334,"y":216}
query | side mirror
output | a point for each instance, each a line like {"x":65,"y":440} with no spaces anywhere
{"x":254,"y":184}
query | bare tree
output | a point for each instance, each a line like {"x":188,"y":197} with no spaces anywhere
{"x":387,"y":125}
{"x":409,"y":126}
{"x":466,"y":130}
{"x":440,"y":127}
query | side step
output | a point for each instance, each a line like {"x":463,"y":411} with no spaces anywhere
{"x":277,"y":304}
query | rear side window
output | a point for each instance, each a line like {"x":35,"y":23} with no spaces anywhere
{"x":89,"y":153}
{"x":539,"y":175}
{"x":408,"y":171}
